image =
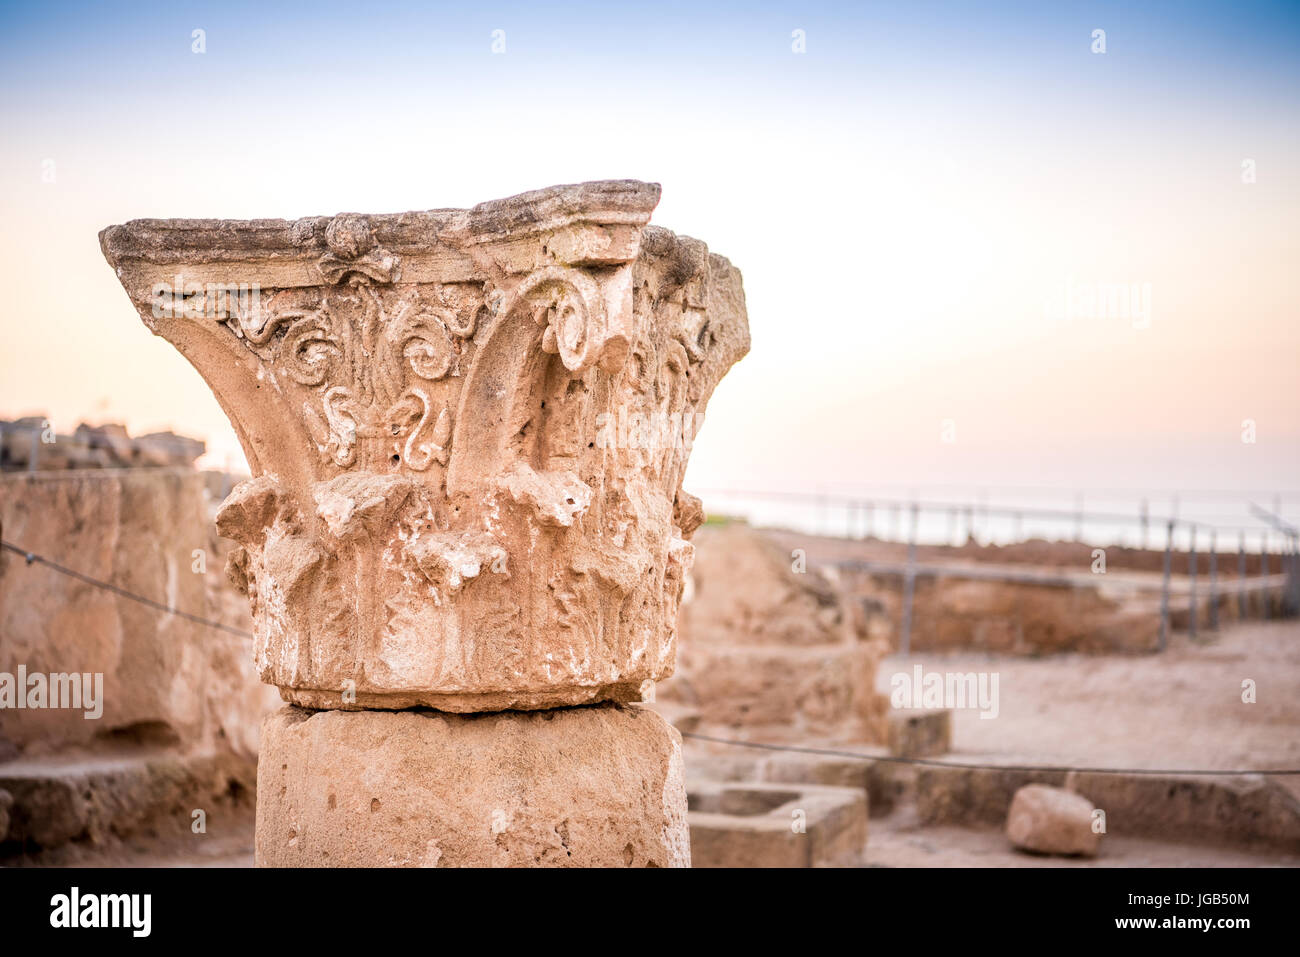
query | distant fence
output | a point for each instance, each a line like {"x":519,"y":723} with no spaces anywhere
{"x":1271,"y":544}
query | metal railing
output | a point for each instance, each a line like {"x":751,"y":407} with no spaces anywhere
{"x":859,"y":518}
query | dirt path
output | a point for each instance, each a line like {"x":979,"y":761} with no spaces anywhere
{"x":1179,"y":709}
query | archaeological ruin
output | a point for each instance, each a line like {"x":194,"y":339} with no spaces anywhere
{"x":464,"y":613}
{"x":460,"y":585}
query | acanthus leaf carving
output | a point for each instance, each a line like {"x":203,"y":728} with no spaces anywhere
{"x":433,"y":413}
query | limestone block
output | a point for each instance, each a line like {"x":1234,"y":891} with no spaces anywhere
{"x":1251,"y":811}
{"x":775,"y":825}
{"x":968,"y":797}
{"x":1052,"y":820}
{"x":467,"y":431}
{"x":595,"y":786}
{"x":96,"y":798}
{"x":886,"y":783}
{"x":920,"y":733}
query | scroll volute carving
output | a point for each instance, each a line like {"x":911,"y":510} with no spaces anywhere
{"x":561,"y":326}
{"x":438,"y":515}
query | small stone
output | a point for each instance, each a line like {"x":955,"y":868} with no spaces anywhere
{"x":1052,"y":820}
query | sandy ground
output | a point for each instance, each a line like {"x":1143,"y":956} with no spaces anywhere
{"x":1179,"y":709}
{"x":894,"y":841}
{"x":897,"y":841}
{"x":227,"y":843}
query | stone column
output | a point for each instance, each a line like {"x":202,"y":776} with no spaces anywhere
{"x":465,"y":536}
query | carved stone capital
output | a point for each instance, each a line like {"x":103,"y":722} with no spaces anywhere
{"x":467,"y":431}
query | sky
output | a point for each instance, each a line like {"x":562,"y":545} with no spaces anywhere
{"x":925,"y":201}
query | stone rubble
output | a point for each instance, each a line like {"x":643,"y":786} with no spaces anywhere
{"x":32,"y":444}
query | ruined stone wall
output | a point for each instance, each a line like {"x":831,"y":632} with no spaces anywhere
{"x":765,"y":646}
{"x":1015,"y":618}
{"x":32,"y":444}
{"x":168,"y":681}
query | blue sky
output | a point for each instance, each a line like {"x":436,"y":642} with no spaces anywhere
{"x":898,"y":197}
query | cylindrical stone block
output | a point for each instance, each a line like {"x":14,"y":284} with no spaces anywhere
{"x":596,"y":786}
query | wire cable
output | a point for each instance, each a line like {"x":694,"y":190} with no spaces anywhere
{"x":33,"y":558}
{"x":931,"y":762}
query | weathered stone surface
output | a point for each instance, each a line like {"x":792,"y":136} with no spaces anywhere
{"x":887,"y":784}
{"x":1252,"y":811}
{"x":972,"y":796}
{"x":1246,"y":812}
{"x":772,"y":825}
{"x":783,"y":692}
{"x":467,"y":431}
{"x":1052,"y":820}
{"x":6,"y":802}
{"x":59,"y":800}
{"x":767,"y":647}
{"x":167,"y":680}
{"x":920,"y":733}
{"x":587,"y":786}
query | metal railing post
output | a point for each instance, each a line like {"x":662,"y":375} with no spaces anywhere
{"x":1214,"y":583}
{"x":1191,"y":572}
{"x":1295,"y":575}
{"x":1164,"y":589}
{"x":1241,"y":577}
{"x":1294,"y":580}
{"x":1263,"y":574}
{"x":909,"y":586}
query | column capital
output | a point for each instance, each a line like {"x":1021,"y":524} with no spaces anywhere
{"x":467,"y":431}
